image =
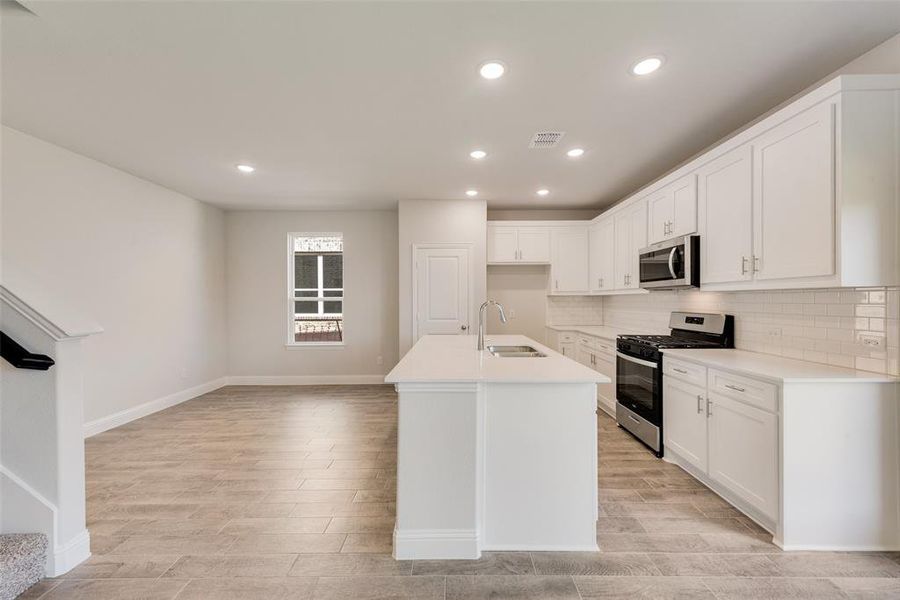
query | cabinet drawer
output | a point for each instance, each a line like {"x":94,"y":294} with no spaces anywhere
{"x":690,"y":372}
{"x":598,"y":345}
{"x":761,"y":394}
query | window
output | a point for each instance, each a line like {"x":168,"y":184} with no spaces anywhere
{"x":316,"y":288}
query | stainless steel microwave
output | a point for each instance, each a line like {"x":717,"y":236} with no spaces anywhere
{"x":671,"y":264}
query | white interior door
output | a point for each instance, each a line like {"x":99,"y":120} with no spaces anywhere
{"x":442,"y":291}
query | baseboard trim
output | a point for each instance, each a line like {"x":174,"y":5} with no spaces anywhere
{"x":65,"y":558}
{"x":148,"y":408}
{"x":305,"y":379}
{"x":540,"y":548}
{"x":836,"y":547}
{"x":412,"y":544}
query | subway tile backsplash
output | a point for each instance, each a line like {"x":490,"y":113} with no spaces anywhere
{"x":858,"y":328}
{"x":574,"y":310}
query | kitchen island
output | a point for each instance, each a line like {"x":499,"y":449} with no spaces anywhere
{"x":494,"y":452}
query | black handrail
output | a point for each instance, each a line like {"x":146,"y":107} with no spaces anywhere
{"x":21,"y":358}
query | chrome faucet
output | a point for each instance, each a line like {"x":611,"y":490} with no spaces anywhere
{"x":481,"y":320}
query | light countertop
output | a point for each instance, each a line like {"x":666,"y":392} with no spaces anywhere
{"x":777,"y":369}
{"x":600,"y":331}
{"x":453,"y":358}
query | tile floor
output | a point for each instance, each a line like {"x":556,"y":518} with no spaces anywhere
{"x":288,"y":493}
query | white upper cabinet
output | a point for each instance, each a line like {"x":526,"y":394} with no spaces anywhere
{"x":502,"y":244}
{"x":725,"y":212}
{"x":659,"y":214}
{"x":602,"y":244}
{"x":534,"y":244}
{"x":631,"y":236}
{"x":569,"y":260}
{"x":809,"y":197}
{"x":793,"y":204}
{"x":672,"y":211}
{"x":684,"y":206}
{"x":508,"y":244}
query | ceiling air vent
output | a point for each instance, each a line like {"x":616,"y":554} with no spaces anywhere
{"x":546,"y":139}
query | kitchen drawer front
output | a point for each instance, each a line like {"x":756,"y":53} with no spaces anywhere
{"x":567,"y":336}
{"x":760,"y":394}
{"x":685,"y":371}
{"x":599,"y":346}
{"x":605,"y":349}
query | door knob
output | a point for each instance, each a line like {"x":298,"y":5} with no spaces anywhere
{"x":464,"y":327}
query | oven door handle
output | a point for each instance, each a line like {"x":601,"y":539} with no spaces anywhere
{"x":672,"y":262}
{"x":646,"y":363}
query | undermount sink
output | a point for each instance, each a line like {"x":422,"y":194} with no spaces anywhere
{"x":515,"y":352}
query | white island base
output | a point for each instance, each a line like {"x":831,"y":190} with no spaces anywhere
{"x":489,"y":463}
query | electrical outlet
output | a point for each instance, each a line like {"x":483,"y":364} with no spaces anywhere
{"x":774,"y":332}
{"x":511,"y":313}
{"x":872,"y":341}
{"x":379,"y":361}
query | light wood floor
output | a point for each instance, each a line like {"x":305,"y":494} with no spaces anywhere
{"x":288,"y":492}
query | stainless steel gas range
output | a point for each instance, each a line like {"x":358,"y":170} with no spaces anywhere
{"x":639,"y":398}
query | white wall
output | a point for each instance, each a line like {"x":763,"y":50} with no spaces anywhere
{"x":522,"y":290}
{"x":257,"y":296}
{"x":440,"y":221}
{"x":145,"y":262}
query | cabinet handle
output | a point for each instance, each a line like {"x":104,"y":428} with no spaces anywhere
{"x":756,"y":264}
{"x":601,"y":282}
{"x":677,"y":370}
{"x":699,"y":404}
{"x":735,"y":388}
{"x":744,"y":265}
{"x":708,"y":408}
{"x":556,"y":283}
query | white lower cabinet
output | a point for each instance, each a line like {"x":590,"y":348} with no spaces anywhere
{"x":743,"y":452}
{"x":729,"y":442}
{"x":599,"y":354}
{"x":686,"y":421}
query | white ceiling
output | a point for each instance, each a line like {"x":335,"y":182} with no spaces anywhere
{"x":350,"y":105}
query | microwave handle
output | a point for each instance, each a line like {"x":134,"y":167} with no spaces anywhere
{"x":672,"y":262}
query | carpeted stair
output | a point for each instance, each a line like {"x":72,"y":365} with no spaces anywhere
{"x":22,"y":560}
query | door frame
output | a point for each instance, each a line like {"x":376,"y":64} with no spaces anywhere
{"x":467,"y":246}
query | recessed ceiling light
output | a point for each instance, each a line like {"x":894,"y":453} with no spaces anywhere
{"x":543,"y":192}
{"x":647,"y":65}
{"x":575,"y":152}
{"x":245,"y":168}
{"x":471,"y":193}
{"x":492,"y":69}
{"x":477,"y":154}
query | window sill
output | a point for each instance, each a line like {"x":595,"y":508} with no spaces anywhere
{"x":307,"y":345}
